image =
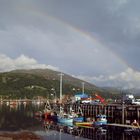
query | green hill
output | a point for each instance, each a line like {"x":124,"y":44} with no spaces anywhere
{"x":39,"y":82}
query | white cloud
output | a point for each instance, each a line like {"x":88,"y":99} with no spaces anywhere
{"x":21,"y":62}
{"x":128,"y":78}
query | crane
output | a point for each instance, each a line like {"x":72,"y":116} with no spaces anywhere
{"x":102,"y":100}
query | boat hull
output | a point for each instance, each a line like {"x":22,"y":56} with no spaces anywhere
{"x":84,"y":124}
{"x":78,"y":119}
{"x":99,"y":123}
{"x":66,"y":121}
{"x":91,"y":124}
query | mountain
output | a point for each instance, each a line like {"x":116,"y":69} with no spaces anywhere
{"x":54,"y":75}
{"x":134,"y":91}
{"x":39,"y":82}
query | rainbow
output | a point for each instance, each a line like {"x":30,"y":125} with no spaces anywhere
{"x":86,"y":35}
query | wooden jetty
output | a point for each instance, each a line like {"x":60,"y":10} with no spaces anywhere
{"x":119,"y":127}
{"x":112,"y":111}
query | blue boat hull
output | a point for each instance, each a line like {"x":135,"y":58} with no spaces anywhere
{"x":98,"y":123}
{"x":78,"y":119}
{"x":65,"y":120}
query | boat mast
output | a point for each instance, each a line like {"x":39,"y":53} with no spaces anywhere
{"x":61,"y":74}
{"x":61,"y":79}
{"x":83,"y":87}
{"x":122,"y":107}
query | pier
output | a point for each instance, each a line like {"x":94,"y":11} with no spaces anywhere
{"x":112,"y":111}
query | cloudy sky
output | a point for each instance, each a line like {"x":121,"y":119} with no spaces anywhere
{"x":95,"y":40}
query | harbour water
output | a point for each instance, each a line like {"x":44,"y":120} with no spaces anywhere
{"x":18,"y":117}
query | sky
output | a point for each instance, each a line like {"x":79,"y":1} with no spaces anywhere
{"x":94,"y":40}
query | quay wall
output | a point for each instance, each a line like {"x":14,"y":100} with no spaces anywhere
{"x":116,"y":113}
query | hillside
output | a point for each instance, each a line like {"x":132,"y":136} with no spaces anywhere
{"x":54,"y":75}
{"x":39,"y":82}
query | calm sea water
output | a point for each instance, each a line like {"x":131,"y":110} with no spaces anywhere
{"x":21,"y":117}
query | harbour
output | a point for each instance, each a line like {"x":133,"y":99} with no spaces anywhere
{"x":69,"y":69}
{"x":23,"y":118}
{"x":112,"y":111}
{"x":78,"y":115}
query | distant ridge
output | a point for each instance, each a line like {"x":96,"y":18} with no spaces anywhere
{"x":39,"y":82}
{"x":51,"y":74}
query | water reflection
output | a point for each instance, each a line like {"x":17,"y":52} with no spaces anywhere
{"x":15,"y":117}
{"x":89,"y":133}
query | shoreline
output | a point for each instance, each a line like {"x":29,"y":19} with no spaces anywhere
{"x":19,"y":135}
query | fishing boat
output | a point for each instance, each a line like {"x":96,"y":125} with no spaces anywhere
{"x":71,"y":117}
{"x":100,"y":120}
{"x":65,"y":119}
{"x":78,"y":119}
{"x":68,"y":118}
